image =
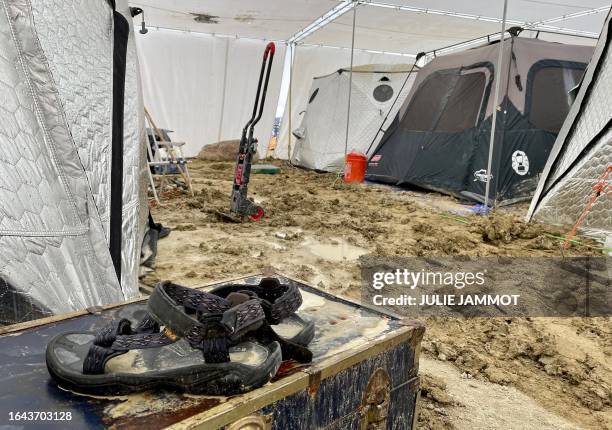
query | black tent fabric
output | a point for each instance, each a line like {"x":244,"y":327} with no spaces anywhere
{"x":440,"y":140}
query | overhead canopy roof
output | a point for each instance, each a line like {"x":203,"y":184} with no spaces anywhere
{"x":400,"y":26}
{"x":260,"y":19}
{"x":391,"y":30}
{"x":530,"y":11}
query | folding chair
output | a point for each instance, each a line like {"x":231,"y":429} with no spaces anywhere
{"x":165,"y":158}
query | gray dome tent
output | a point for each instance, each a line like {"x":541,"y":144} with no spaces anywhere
{"x":582,"y":152}
{"x":440,"y":138}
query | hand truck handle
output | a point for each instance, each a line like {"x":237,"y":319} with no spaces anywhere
{"x":268,"y":57}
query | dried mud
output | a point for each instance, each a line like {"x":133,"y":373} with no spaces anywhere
{"x":315,"y":229}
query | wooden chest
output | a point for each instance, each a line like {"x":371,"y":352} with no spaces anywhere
{"x":363,"y":376}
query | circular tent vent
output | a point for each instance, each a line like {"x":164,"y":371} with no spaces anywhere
{"x":383,"y":93}
{"x":313,"y":96}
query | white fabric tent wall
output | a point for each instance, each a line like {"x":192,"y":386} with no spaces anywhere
{"x":203,"y":86}
{"x":311,"y":61}
{"x":323,"y":125}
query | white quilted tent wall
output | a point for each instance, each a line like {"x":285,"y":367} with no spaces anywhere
{"x":582,"y":153}
{"x":203,"y":87}
{"x":82,"y":69}
{"x":53,"y":244}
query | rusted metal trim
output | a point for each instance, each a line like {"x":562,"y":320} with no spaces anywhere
{"x":376,"y":401}
{"x":314,"y":381}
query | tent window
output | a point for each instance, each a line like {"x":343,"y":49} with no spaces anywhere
{"x":384,"y":79}
{"x":462,"y":108}
{"x":383,"y":93}
{"x":447,"y":102}
{"x":550,"y":98}
{"x":425,"y":105}
{"x":313,"y":96}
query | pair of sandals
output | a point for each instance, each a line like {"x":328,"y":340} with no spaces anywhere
{"x":227,"y":341}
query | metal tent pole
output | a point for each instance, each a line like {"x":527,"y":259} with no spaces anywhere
{"x":291,"y":47}
{"x":348,"y":110}
{"x":498,"y":74}
{"x":227,"y":43}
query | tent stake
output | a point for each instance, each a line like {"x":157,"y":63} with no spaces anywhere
{"x":495,"y":104}
{"x":350,"y":90}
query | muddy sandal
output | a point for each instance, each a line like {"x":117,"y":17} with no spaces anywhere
{"x":279,"y":302}
{"x":191,"y":341}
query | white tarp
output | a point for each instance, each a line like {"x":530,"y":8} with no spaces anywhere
{"x":526,"y":11}
{"x":522,"y":11}
{"x":203,"y":87}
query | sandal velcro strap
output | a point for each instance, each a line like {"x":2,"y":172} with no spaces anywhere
{"x":167,"y":305}
{"x":103,"y":349}
{"x":209,"y":322}
{"x":210,"y":327}
{"x":107,"y":335}
{"x":141,"y":341}
{"x":284,"y":304}
{"x":191,"y":299}
{"x":96,"y":359}
{"x":211,"y":337}
{"x":147,"y":325}
{"x":278,"y":300}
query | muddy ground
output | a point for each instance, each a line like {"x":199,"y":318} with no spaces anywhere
{"x":520,"y":373}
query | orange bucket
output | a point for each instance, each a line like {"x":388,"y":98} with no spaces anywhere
{"x":355,"y":167}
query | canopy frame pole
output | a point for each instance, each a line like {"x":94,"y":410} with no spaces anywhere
{"x":418,"y":57}
{"x":498,"y":73}
{"x":227,"y":42}
{"x":350,"y":89}
{"x":291,"y":47}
